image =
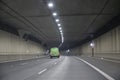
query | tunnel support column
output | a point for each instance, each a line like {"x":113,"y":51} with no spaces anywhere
{"x":92,"y":48}
{"x":92,"y":52}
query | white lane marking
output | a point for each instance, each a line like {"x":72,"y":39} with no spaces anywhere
{"x":38,"y":60}
{"x":42,"y":71}
{"x":56,"y":63}
{"x":23,"y":63}
{"x":101,"y":72}
{"x":102,"y":58}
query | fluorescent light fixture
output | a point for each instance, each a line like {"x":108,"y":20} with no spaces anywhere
{"x":60,"y":28}
{"x":61,"y":31}
{"x":68,"y":51}
{"x":57,"y":20}
{"x":92,"y":44}
{"x":59,"y":24}
{"x":50,"y":5}
{"x":54,"y":14}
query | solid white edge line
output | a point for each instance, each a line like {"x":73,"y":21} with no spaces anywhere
{"x":98,"y":70}
{"x":42,"y":71}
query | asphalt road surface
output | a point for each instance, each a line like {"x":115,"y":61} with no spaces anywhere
{"x":63,"y":68}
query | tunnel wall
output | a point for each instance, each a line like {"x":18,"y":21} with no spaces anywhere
{"x":107,"y":45}
{"x":13,"y":47}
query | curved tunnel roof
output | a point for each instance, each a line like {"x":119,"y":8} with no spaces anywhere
{"x":80,"y":19}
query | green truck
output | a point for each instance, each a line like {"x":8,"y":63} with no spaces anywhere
{"x":54,"y":52}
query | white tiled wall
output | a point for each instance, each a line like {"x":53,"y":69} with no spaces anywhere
{"x":13,"y":45}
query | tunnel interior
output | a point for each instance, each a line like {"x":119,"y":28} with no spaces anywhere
{"x":63,"y":24}
{"x":59,"y":39}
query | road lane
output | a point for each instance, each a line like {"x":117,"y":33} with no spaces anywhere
{"x":22,"y":72}
{"x":64,"y":68}
{"x":109,"y":67}
{"x":97,"y":69}
{"x":71,"y":69}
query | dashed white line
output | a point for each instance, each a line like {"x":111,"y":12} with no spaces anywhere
{"x":56,"y":63}
{"x":38,"y":60}
{"x":98,"y":70}
{"x":23,"y":63}
{"x":42,"y":71}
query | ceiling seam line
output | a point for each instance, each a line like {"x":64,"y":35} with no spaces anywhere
{"x":23,"y":18}
{"x":96,"y":16}
{"x":83,"y":14}
{"x":19,"y":20}
{"x":45,"y":3}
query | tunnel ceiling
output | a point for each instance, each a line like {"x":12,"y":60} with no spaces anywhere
{"x":79,"y":18}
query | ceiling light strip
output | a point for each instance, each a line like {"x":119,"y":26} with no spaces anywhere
{"x":57,"y":20}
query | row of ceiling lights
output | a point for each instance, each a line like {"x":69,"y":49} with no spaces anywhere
{"x":57,"y":20}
